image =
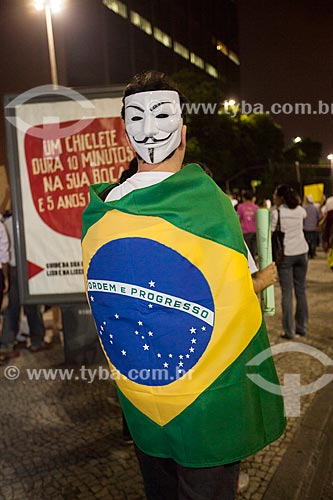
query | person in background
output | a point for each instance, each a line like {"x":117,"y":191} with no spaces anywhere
{"x":293,"y":268}
{"x":233,"y":200}
{"x":310,"y":225}
{"x":4,"y":259}
{"x":12,"y":312}
{"x":247,"y":216}
{"x":327,"y":211}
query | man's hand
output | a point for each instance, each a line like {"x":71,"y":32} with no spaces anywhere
{"x":264,"y":278}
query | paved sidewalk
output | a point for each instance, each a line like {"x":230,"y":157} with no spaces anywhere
{"x":61,"y":440}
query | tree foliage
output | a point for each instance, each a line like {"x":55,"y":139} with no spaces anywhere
{"x":232,"y":145}
{"x":241,"y":148}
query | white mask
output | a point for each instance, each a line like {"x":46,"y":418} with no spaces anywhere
{"x":153,"y":123}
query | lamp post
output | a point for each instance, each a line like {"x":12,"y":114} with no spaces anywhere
{"x":49,"y":7}
{"x":330,"y":157}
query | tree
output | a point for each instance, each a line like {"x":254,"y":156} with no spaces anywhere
{"x":238,"y":148}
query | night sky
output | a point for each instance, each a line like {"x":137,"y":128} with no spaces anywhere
{"x":286,"y":50}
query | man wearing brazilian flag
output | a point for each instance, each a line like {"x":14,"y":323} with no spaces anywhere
{"x":168,"y":283}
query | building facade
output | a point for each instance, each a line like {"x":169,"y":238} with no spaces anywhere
{"x":103,"y":42}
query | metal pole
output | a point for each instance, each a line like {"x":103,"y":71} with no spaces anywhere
{"x":50,"y":39}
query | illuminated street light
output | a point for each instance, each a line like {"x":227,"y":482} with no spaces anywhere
{"x":297,"y":139}
{"x":227,"y":104}
{"x":231,"y":102}
{"x":49,"y":7}
{"x":330,"y":157}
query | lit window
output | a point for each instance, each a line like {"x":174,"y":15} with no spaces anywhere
{"x":211,"y":70}
{"x":141,"y":22}
{"x":162,"y":37}
{"x":181,"y":50}
{"x":234,"y":57}
{"x":221,"y":47}
{"x":197,"y":61}
{"x":117,"y":7}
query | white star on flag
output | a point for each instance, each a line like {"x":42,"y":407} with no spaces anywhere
{"x":159,"y":355}
{"x":191,"y":349}
{"x":111,"y":336}
{"x":142,"y":336}
{"x":116,"y":316}
{"x":194,"y":341}
{"x":203,"y":328}
{"x":102,"y":328}
{"x":187,"y":356}
{"x":140,"y":323}
{"x":152,"y":283}
{"x":180,"y":363}
{"x":170,"y":355}
{"x":150,"y":334}
{"x":165,"y":365}
{"x":181,"y":356}
{"x":123,"y":352}
{"x":104,"y":322}
{"x":92,"y":298}
{"x":146,"y":347}
{"x":193,"y":330}
{"x":136,"y":332}
{"x":150,"y":306}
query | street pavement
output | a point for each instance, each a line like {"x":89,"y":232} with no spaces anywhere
{"x":62,"y":439}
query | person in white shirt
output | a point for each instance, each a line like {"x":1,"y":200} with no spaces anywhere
{"x":11,"y":314}
{"x":155,"y":129}
{"x":293,"y":267}
{"x":4,"y":259}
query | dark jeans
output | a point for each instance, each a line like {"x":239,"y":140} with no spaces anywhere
{"x":164,"y":479}
{"x":311,"y":238}
{"x":292,"y":275}
{"x":11,"y":317}
{"x":251,"y":241}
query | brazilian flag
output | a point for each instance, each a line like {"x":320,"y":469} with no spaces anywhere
{"x":167,"y":280}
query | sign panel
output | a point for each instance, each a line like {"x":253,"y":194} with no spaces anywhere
{"x":57,"y":148}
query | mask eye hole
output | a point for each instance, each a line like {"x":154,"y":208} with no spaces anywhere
{"x":136,"y":118}
{"x":162,"y":115}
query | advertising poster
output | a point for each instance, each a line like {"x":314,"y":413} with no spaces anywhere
{"x":60,"y":148}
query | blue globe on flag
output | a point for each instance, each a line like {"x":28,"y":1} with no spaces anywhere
{"x":154,"y":310}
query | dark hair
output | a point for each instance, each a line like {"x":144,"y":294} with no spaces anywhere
{"x":131,"y":170}
{"x":248,"y":195}
{"x":289,"y":195}
{"x":152,"y":80}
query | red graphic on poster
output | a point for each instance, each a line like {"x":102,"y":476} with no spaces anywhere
{"x":33,"y":269}
{"x":61,"y":169}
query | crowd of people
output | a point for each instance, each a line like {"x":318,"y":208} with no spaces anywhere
{"x":305,"y":228}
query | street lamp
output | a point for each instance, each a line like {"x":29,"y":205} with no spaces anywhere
{"x":49,"y":7}
{"x":330,"y":157}
{"x":297,"y":139}
{"x":229,"y":104}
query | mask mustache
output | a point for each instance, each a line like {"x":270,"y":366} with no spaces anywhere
{"x":144,"y":141}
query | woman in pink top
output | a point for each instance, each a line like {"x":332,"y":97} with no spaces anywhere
{"x":247,"y":215}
